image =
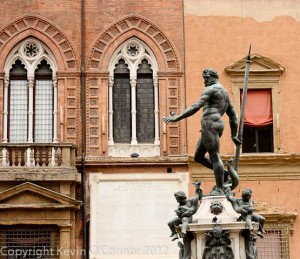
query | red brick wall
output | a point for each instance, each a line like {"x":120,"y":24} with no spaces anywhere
{"x":57,"y":24}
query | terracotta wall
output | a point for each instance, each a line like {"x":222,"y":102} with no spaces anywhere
{"x":167,"y":15}
{"x":217,"y":35}
{"x":65,"y":15}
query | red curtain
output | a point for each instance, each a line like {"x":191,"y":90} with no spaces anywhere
{"x":258,"y":111}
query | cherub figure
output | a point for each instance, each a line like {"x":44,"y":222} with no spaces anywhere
{"x":185,"y":210}
{"x":245,"y":206}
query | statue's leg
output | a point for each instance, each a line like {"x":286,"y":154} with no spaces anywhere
{"x":218,"y":168}
{"x":261,"y":221}
{"x":199,"y":156}
{"x":184,"y":227}
{"x":172,"y":225}
{"x":249,"y":222}
{"x":211,"y":141}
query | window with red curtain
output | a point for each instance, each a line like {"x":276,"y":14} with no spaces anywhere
{"x":258,"y":121}
{"x":258,"y":111}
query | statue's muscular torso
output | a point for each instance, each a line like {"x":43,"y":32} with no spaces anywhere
{"x":217,"y":101}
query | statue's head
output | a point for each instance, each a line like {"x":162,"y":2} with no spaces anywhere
{"x":216,"y":207}
{"x":217,"y":231}
{"x":180,"y":196}
{"x":246,"y":194}
{"x":210,"y":76}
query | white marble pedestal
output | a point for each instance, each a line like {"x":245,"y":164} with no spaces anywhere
{"x":204,"y":220}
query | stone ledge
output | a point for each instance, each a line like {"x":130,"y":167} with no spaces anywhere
{"x":122,"y":160}
{"x":36,"y":175}
{"x":253,"y":167}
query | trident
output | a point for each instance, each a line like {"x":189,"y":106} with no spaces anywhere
{"x":243,"y":107}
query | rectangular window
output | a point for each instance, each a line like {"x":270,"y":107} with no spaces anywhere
{"x":258,"y":128}
{"x":18,"y":107}
{"x":275,"y":244}
{"x":258,"y":140}
{"x":43,"y":111}
{"x":29,"y":242}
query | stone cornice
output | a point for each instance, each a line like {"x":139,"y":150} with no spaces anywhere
{"x":37,"y":206}
{"x":39,"y":174}
{"x":255,"y":167}
{"x":275,"y":214}
{"x":259,"y":65}
{"x":136,"y":162}
{"x":252,"y":167}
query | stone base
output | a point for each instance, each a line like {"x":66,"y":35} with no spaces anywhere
{"x":204,"y":222}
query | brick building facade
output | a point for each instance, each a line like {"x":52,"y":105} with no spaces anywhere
{"x":85,"y":84}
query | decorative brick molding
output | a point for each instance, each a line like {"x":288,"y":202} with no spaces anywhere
{"x":170,"y":81}
{"x":140,"y":25}
{"x":32,"y":25}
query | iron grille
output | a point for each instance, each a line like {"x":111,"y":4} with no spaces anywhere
{"x":29,"y":242}
{"x":275,"y":244}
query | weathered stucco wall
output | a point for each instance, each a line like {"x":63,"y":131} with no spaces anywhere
{"x":217,"y":34}
{"x":217,"y":37}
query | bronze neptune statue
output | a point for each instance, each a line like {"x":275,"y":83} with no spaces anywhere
{"x":215,"y":102}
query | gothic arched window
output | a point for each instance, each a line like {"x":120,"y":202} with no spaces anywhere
{"x":30,"y":95}
{"x":133,"y":101}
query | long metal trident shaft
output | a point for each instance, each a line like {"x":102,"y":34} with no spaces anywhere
{"x":243,"y":107}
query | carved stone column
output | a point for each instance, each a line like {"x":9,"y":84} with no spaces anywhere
{"x":133,"y":83}
{"x":110,"y":110}
{"x":30,"y":82}
{"x":55,"y":109}
{"x":156,"y":111}
{"x":5,"y":109}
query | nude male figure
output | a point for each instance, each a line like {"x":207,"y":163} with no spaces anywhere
{"x":215,"y":102}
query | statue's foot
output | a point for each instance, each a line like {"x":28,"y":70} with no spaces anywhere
{"x":172,"y":234}
{"x":260,"y":234}
{"x":174,"y":237}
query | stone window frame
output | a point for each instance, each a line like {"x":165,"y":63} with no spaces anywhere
{"x":264,"y":74}
{"x":144,"y":52}
{"x":31,"y":64}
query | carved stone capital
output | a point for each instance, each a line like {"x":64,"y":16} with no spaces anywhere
{"x":30,"y":80}
{"x":110,"y":81}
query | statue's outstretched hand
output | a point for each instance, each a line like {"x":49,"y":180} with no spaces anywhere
{"x":169,"y":119}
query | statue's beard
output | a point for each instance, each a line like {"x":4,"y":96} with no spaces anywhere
{"x":210,"y":81}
